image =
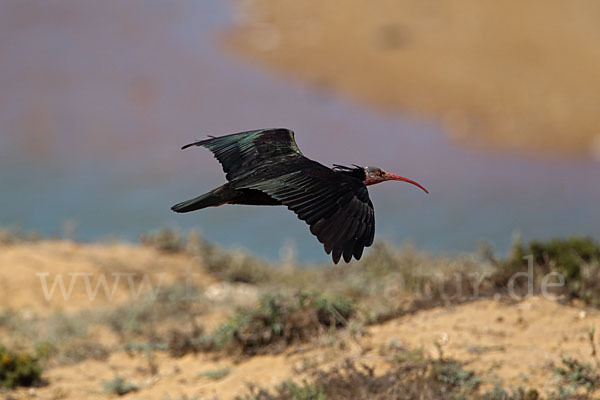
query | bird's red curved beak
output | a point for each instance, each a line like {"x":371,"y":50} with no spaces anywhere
{"x":394,"y":177}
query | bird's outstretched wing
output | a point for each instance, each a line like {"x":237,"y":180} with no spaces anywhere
{"x":337,"y":207}
{"x":241,"y":152}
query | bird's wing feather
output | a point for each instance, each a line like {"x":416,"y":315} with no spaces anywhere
{"x":241,"y":152}
{"x":337,"y":208}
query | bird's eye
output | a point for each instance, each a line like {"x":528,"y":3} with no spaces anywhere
{"x":378,"y":172}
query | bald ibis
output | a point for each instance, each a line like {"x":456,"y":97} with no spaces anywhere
{"x":266,"y":167}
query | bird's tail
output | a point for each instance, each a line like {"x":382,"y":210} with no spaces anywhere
{"x":213,"y":198}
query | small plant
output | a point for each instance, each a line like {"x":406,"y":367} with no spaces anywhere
{"x":56,"y":337}
{"x":216,"y":374}
{"x":576,"y":374}
{"x":236,"y":266}
{"x":149,"y":318}
{"x":334,"y":312}
{"x":79,"y":349}
{"x":119,"y":386}
{"x":398,"y":354}
{"x":499,"y":393}
{"x":591,"y":334}
{"x":305,"y":391}
{"x":306,"y":364}
{"x":167,"y":240}
{"x":452,"y":373}
{"x":44,"y":350}
{"x":279,"y":321}
{"x":17,"y":235}
{"x":286,"y":391}
{"x":18,"y":369}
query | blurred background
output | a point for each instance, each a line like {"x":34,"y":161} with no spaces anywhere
{"x":491,"y":106}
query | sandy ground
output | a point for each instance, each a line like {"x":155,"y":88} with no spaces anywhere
{"x":515,"y":344}
{"x":516,"y":75}
{"x":24,"y":267}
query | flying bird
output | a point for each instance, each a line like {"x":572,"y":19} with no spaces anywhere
{"x":266,"y":167}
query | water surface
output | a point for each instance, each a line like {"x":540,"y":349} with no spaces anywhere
{"x":98,"y":97}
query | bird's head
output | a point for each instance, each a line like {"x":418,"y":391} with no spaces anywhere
{"x":374,"y":175}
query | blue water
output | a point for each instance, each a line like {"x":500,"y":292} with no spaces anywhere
{"x":98,"y":97}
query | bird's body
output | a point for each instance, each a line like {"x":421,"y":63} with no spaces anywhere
{"x":266,"y":167}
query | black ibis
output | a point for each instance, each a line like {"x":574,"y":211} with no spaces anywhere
{"x":266,"y":167}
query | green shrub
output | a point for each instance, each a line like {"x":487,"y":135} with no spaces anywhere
{"x":577,"y":259}
{"x":287,"y":390}
{"x":119,"y":386}
{"x":565,"y":255}
{"x":452,"y":373}
{"x":18,"y":369}
{"x":167,"y":240}
{"x":280,"y":320}
{"x":499,"y":393}
{"x":576,"y":374}
{"x":216,"y":374}
{"x":305,"y":391}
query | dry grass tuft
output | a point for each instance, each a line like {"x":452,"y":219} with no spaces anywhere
{"x":409,"y":376}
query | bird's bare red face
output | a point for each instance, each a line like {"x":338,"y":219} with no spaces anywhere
{"x":377,"y":175}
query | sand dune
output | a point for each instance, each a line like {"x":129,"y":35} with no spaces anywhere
{"x":512,"y":344}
